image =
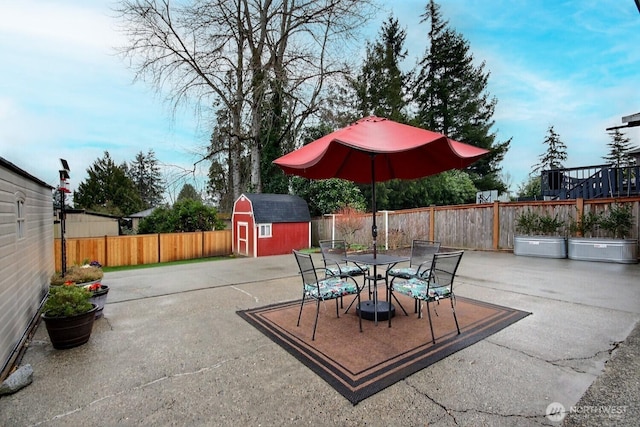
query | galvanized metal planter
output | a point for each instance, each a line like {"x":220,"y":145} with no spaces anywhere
{"x":540,"y":246}
{"x":623,"y":251}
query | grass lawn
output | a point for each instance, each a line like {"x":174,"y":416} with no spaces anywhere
{"x":186,"y":261}
{"x":162,"y":264}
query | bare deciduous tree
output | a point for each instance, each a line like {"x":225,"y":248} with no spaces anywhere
{"x":234,"y":54}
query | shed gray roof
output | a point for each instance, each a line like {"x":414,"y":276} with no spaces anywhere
{"x":270,"y":208}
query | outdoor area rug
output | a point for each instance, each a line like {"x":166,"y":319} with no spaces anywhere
{"x":359,"y":365}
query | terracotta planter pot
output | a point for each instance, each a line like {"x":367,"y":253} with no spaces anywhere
{"x":72,"y":331}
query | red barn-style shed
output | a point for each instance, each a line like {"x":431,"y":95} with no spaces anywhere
{"x":270,"y":224}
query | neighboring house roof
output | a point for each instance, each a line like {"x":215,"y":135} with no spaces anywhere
{"x":142,"y":214}
{"x":270,"y":208}
{"x":10,"y":166}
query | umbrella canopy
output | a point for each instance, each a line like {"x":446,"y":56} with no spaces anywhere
{"x":399,"y":151}
{"x":375,"y":149}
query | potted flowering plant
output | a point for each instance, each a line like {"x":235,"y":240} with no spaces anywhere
{"x":68,"y":315}
{"x":88,"y":276}
{"x":98,"y":296}
{"x":79,"y":274}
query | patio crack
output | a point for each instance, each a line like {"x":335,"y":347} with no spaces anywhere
{"x":444,"y":408}
{"x":451,"y":412}
{"x":108,"y":323}
{"x":565,"y":363}
{"x":595,"y":357}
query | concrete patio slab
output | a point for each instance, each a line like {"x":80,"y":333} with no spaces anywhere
{"x":171,"y":350}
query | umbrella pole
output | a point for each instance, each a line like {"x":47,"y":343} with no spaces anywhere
{"x":374,"y":227}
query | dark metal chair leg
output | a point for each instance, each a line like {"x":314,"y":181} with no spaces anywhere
{"x":313,"y":337}
{"x":454,"y":313}
{"x":360,"y":289}
{"x":301,"y":305}
{"x":433,"y":338}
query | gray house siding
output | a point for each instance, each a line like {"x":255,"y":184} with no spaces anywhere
{"x":26,"y":260}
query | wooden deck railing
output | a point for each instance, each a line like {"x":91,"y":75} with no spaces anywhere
{"x":591,"y":182}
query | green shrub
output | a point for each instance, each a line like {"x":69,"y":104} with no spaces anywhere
{"x":586,"y":224}
{"x":184,"y":216}
{"x":617,"y":221}
{"x":64,"y":301}
{"x":549,"y":225}
{"x":532,"y":223}
{"x":528,"y":222}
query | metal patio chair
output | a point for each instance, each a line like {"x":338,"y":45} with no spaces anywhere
{"x":422,"y":252}
{"x":433,"y":287}
{"x":334,"y":253}
{"x":331,"y":287}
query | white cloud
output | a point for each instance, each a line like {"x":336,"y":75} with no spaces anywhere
{"x":78,"y":27}
{"x":64,"y":92}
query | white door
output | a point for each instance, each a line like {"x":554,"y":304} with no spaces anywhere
{"x":242,"y":242}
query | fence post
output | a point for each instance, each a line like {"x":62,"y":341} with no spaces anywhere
{"x":580,"y":212}
{"x":496,"y":225}
{"x":432,"y":223}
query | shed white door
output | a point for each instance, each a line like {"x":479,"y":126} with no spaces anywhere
{"x":242,"y":240}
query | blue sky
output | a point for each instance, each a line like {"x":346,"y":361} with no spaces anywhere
{"x":65,"y":94}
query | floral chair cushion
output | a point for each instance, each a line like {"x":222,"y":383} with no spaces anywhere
{"x":417,"y":288}
{"x":345,"y":270}
{"x":330,"y":288}
{"x":407,"y":272}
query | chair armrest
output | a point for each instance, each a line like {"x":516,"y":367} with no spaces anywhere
{"x":423,"y":269}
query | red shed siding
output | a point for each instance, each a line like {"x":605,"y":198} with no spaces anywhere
{"x":243,"y":212}
{"x":284,"y":237}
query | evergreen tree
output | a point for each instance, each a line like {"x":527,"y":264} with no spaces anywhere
{"x":556,"y":153}
{"x":453,"y":187}
{"x":184,"y":216}
{"x":188,"y":192}
{"x":381,"y":90}
{"x":381,"y":86}
{"x":108,"y":189}
{"x":225,"y":157}
{"x":619,"y":148}
{"x":328,"y":195}
{"x":274,"y":132}
{"x":451,"y":98}
{"x":531,"y":188}
{"x":144,"y":172}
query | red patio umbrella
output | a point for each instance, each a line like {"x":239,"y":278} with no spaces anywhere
{"x":376,"y":149}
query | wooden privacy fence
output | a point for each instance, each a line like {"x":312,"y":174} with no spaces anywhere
{"x":488,"y":226}
{"x":139,"y":249}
